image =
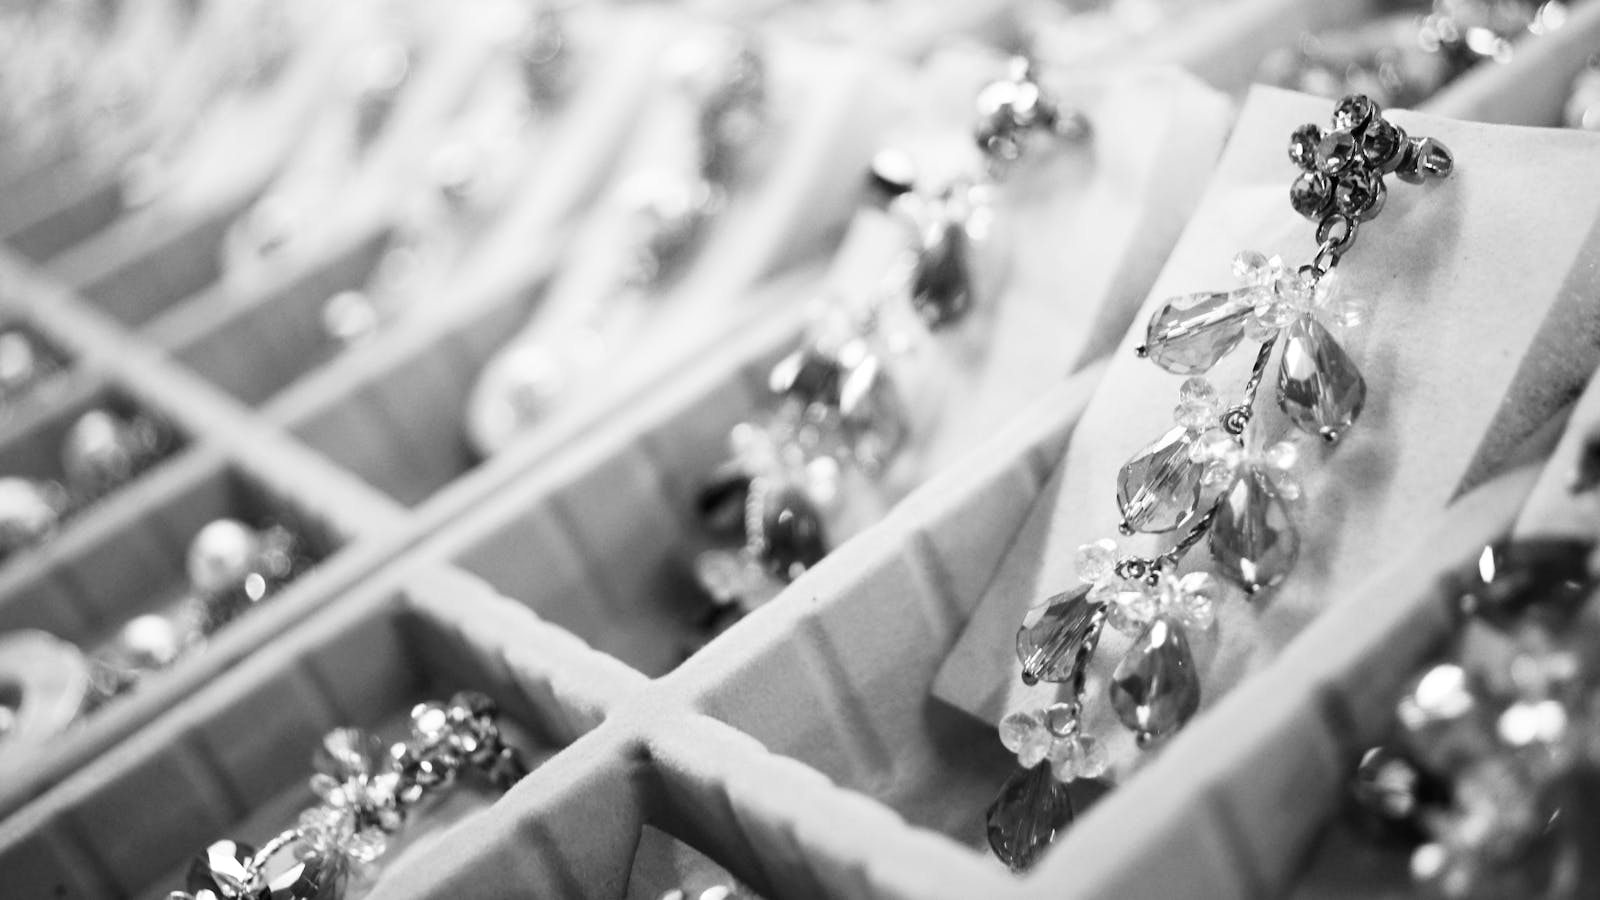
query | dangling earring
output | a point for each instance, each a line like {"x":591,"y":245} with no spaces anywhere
{"x":1199,"y":482}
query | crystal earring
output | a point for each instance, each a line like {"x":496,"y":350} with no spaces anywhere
{"x":1198,"y":481}
{"x":839,"y":416}
{"x":367,"y":792}
{"x":1478,"y":782}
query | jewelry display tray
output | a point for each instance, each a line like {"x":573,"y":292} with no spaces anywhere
{"x":799,"y":751}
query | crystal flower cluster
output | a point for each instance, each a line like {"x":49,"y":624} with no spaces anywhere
{"x":1481,"y":780}
{"x":838,"y":414}
{"x":1203,"y":479}
{"x":367,"y":792}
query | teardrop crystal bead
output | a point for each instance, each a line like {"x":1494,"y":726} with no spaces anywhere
{"x":1159,"y":488}
{"x":1154,"y":688}
{"x":1188,"y":334}
{"x":1253,"y":539}
{"x":1024,"y":819}
{"x":1319,"y":386}
{"x":941,"y":281}
{"x":296,"y":871}
{"x":1058,"y":636}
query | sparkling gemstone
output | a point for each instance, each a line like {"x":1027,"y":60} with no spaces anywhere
{"x":1061,"y":719}
{"x":1444,"y":725}
{"x":1253,"y":541}
{"x":793,"y":538}
{"x":1097,"y":561}
{"x":1195,"y":415}
{"x":1382,"y":143}
{"x":941,"y":280}
{"x":1546,"y":577}
{"x":1271,"y":313}
{"x":1154,"y":688}
{"x":1303,"y":146}
{"x":1319,"y":387}
{"x":1353,"y":112}
{"x":1032,"y":807}
{"x":1188,"y":334}
{"x":810,"y":376}
{"x":1336,"y":152}
{"x":1311,"y":195}
{"x":1035,"y":747}
{"x":1057,"y":637}
{"x":1159,"y":488}
{"x":1016,"y":728}
{"x":223,"y":868}
{"x":1360,"y":195}
{"x":1129,"y":607}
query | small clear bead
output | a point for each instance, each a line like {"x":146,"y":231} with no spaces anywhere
{"x":1061,"y":719}
{"x":1198,"y":390}
{"x":1065,"y":759}
{"x":1282,"y":455}
{"x":1194,"y":415}
{"x":1096,"y":562}
{"x":1297,"y":290}
{"x":1195,"y":600}
{"x":1131,"y":610}
{"x":1015,"y":729}
{"x":1215,"y":444}
{"x":1273,"y":312}
{"x":1218,"y":473}
{"x":366,"y":845}
{"x":1092,"y":759}
{"x":1034,"y":748}
{"x":1348,"y":312}
{"x":1254,"y":268}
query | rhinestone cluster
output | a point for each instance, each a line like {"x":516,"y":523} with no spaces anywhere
{"x":367,"y":792}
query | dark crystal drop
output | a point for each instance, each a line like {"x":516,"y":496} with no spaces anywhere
{"x":809,"y":376}
{"x":1057,"y":637}
{"x":296,"y":872}
{"x":1252,"y":538}
{"x":1319,"y":387}
{"x":223,"y":868}
{"x":1545,"y":578}
{"x":1032,"y":807}
{"x":1391,"y":793}
{"x":720,"y":504}
{"x":941,"y":285}
{"x":793,"y":534}
{"x":1155,"y":688}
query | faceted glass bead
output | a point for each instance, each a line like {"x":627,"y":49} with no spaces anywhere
{"x":1035,"y":748}
{"x":1198,"y":390}
{"x":941,"y":280}
{"x":296,"y":872}
{"x":223,"y":868}
{"x":1057,"y":637}
{"x":1253,"y":541}
{"x":1016,"y":728}
{"x":1256,"y":269}
{"x":1353,"y":112}
{"x":1154,"y":688}
{"x":1319,"y":386}
{"x":1188,"y":334}
{"x":1097,"y":561}
{"x":1031,"y":808}
{"x":1303,"y":146}
{"x":1311,"y":195}
{"x":1193,"y":599}
{"x":1129,"y":608}
{"x":793,"y":538}
{"x":1336,"y":152}
{"x":1159,"y":488}
{"x":1195,"y":415}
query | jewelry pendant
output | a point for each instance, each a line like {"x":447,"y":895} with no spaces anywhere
{"x":1200,"y":481}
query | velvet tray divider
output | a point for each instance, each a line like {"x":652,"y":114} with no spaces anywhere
{"x":94,"y":573}
{"x":1532,"y":88}
{"x":243,"y":743}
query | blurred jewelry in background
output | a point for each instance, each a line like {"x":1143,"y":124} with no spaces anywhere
{"x":27,"y":360}
{"x":1583,"y":105}
{"x":840,"y":413}
{"x":1403,"y":58}
{"x":723,"y":80}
